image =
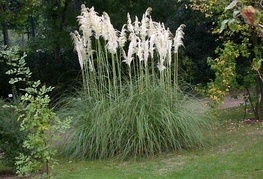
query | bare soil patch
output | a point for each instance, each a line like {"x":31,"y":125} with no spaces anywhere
{"x":230,"y":101}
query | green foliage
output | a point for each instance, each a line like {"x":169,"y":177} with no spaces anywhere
{"x":19,"y":72}
{"x":53,"y":21}
{"x":11,"y":138}
{"x":239,"y":59}
{"x":225,"y":70}
{"x":199,"y":39}
{"x":36,"y":119}
{"x":16,"y":12}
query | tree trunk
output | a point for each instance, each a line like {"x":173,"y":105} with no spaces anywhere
{"x":32,"y":24}
{"x":259,"y":81}
{"x":5,"y":34}
{"x":60,"y":28}
{"x":259,"y":103}
{"x":57,"y":54}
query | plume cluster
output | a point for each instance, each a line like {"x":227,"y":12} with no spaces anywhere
{"x":142,"y":38}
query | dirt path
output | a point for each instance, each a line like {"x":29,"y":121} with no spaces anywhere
{"x":230,"y":102}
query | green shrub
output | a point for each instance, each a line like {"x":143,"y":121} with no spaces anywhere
{"x":34,"y":116}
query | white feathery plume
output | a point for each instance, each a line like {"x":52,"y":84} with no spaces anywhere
{"x":79,"y":47}
{"x":132,"y":36}
{"x":129,"y":57}
{"x":151,"y":45}
{"x":163,"y":44}
{"x":87,"y":33}
{"x":169,"y":42}
{"x":112,"y":44}
{"x":122,"y":37}
{"x":109,"y":34}
{"x":143,"y":27}
{"x":146,"y":18}
{"x":151,"y":28}
{"x":160,"y":44}
{"x":145,"y":52}
{"x":95,"y":22}
{"x":148,"y":11}
{"x":129,"y":23}
{"x":84,"y":18}
{"x":179,"y":35}
{"x":124,"y":55}
{"x":145,"y":38}
{"x":136,"y":26}
{"x":83,"y":9}
{"x":96,"y":25}
{"x":162,"y":54}
{"x":106,"y":26}
{"x":139,"y":49}
{"x":169,"y":52}
{"x":160,"y":66}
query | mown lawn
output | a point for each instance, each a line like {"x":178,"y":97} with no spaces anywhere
{"x":235,"y":151}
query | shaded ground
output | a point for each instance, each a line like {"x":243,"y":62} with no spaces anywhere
{"x":230,"y":102}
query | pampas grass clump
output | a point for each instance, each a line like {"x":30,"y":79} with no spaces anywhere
{"x":131,"y":103}
{"x":139,"y":125}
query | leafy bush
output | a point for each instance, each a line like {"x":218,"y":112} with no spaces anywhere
{"x":35,"y":118}
{"x":11,"y":138}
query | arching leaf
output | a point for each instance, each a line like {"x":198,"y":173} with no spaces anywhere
{"x":232,"y":5}
{"x":223,"y":25}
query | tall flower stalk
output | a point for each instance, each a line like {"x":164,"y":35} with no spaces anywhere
{"x":177,"y":42}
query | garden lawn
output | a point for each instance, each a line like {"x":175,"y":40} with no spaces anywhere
{"x":236,"y":151}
